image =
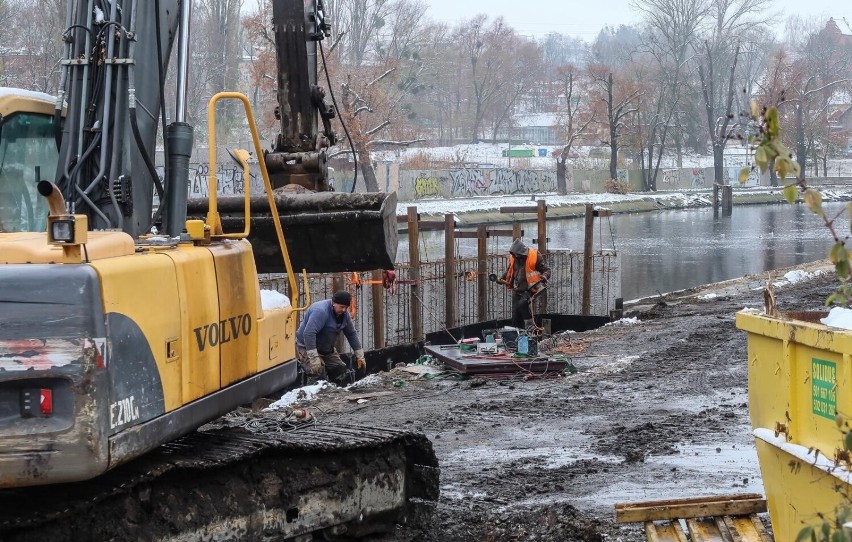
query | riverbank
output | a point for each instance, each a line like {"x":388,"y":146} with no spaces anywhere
{"x":486,"y":210}
{"x":658,"y":408}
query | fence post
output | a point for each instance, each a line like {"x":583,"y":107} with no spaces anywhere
{"x":541,"y":211}
{"x":378,"y":310}
{"x":516,"y":231}
{"x":338,"y":282}
{"x":481,"y":270}
{"x":588,"y":242}
{"x":450,"y":269}
{"x":414,"y":275}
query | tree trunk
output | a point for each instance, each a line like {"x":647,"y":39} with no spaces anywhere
{"x":719,"y":162}
{"x":801,"y":144}
{"x":561,"y":177}
{"x":367,"y":171}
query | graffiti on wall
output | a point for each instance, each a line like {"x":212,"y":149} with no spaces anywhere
{"x":462,"y":183}
{"x":425,"y":187}
{"x":697,"y":177}
{"x":229,"y":180}
{"x":467,"y":182}
{"x":508,"y":181}
{"x":671,"y":176}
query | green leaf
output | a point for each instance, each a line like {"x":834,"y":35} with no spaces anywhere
{"x":805,"y":534}
{"x":773,"y":127}
{"x":847,"y":440}
{"x":791,"y":193}
{"x":838,"y":253}
{"x":761,"y":158}
{"x":813,"y":200}
{"x":849,"y":215}
{"x":755,"y":109}
{"x":782,"y":166}
{"x":842,"y":269}
{"x":795,"y":169}
{"x":744,"y":173}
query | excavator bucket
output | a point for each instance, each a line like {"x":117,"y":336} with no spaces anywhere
{"x":326,"y":232}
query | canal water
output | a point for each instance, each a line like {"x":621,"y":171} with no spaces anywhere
{"x":671,"y":250}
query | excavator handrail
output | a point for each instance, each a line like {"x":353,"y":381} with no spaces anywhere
{"x":213,"y":219}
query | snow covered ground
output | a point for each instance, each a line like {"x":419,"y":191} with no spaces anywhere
{"x":491,"y":154}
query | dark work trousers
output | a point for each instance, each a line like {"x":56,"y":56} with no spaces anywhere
{"x":520,"y":308}
{"x":335,"y":368}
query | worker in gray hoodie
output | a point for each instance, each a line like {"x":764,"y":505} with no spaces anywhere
{"x":526,"y":276}
{"x":321,"y":326}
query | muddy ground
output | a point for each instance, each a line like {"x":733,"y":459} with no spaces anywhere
{"x":657,"y":410}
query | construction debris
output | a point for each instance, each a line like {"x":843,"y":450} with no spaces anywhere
{"x":707,"y":519}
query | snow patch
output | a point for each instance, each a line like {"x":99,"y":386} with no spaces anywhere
{"x":839,"y":317}
{"x":810,"y":456}
{"x":367,"y":381}
{"x":270,"y":299}
{"x":306,"y":393}
{"x":797,"y":275}
{"x":708,"y":297}
{"x":625,"y":322}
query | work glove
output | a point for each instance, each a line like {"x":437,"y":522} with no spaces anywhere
{"x":359,"y":360}
{"x":315,"y":364}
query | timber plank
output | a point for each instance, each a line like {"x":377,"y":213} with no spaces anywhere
{"x":728,"y":505}
{"x":704,"y":530}
{"x":670,"y":531}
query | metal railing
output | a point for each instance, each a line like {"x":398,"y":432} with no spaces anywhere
{"x":564,"y":293}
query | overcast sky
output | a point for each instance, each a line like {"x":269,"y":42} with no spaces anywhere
{"x":585,"y":18}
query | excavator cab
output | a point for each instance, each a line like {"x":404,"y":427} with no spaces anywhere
{"x":28,"y":154}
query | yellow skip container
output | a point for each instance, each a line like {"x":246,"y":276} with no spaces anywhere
{"x":799,"y":379}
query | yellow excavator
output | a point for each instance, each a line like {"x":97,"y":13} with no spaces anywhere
{"x":116,"y":340}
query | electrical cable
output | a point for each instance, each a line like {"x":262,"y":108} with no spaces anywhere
{"x":342,"y":123}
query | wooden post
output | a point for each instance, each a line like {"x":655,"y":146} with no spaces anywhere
{"x":542,"y":227}
{"x":378,"y":310}
{"x":481,"y":270}
{"x":727,"y":200}
{"x":588,"y":245}
{"x":516,"y":231}
{"x":338,"y":282}
{"x":542,"y":247}
{"x":450,"y":269}
{"x":414,"y":274}
{"x":716,"y":199}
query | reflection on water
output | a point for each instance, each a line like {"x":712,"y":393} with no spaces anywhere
{"x":671,"y":250}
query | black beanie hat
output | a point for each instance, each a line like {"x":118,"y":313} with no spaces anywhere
{"x":342,"y":298}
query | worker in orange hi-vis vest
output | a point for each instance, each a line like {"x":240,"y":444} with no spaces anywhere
{"x":526,"y":275}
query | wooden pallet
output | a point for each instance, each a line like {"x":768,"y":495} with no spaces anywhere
{"x":730,"y":518}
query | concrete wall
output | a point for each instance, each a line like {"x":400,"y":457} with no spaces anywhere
{"x":462,"y":183}
{"x":413,"y":185}
{"x":459,"y":183}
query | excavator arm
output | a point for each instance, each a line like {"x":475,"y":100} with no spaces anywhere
{"x":113,"y":86}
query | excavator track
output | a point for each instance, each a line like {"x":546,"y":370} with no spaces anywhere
{"x":255,"y":479}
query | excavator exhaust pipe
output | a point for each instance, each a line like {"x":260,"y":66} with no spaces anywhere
{"x":326,"y":232}
{"x":55,"y":201}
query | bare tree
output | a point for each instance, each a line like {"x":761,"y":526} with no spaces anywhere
{"x":577,"y":117}
{"x":359,"y":22}
{"x":732,"y":21}
{"x":33,"y":43}
{"x":671,"y":29}
{"x":218,"y":53}
{"x":717,"y":125}
{"x":619,"y":102}
{"x":485,"y":48}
